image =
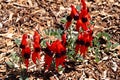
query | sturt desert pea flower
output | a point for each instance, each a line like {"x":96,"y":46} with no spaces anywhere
{"x":74,"y":14}
{"x":84,"y":17}
{"x":64,"y":42}
{"x":57,"y":48}
{"x":48,"y":56}
{"x":83,"y":42}
{"x":36,"y":46}
{"x":24,"y":42}
{"x":83,"y":4}
{"x":26,"y":52}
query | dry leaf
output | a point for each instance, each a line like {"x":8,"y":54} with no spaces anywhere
{"x":114,"y":66}
{"x":30,"y":3}
{"x":10,"y":16}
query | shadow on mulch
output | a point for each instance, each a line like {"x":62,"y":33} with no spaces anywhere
{"x":70,"y":66}
{"x":22,"y":75}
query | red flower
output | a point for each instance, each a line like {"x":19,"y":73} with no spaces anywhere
{"x":84,"y":17}
{"x":67,"y":25}
{"x":36,"y":37}
{"x":58,"y":48}
{"x":48,"y":58}
{"x":36,"y":45}
{"x":26,"y":52}
{"x":24,"y":42}
{"x":83,"y":42}
{"x":64,"y":39}
{"x":81,"y":24}
{"x":84,"y":20}
{"x":60,"y":58}
{"x":83,"y":4}
{"x":74,"y":14}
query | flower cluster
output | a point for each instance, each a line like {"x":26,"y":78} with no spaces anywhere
{"x":36,"y":45}
{"x":82,"y":19}
{"x":83,"y":42}
{"x":56,"y":51}
{"x":26,"y":51}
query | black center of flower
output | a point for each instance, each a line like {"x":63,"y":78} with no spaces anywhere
{"x":87,"y":44}
{"x":22,"y":46}
{"x":76,"y":17}
{"x":37,"y":49}
{"x":26,"y":56}
{"x":69,"y":18}
{"x":63,"y":53}
{"x":57,"y":55}
{"x":84,"y":19}
{"x":91,"y":33}
{"x":48,"y":52}
{"x":65,"y":44}
{"x":81,"y":42}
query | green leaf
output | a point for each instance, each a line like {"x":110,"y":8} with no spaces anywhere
{"x":91,"y":22}
{"x":106,"y":35}
{"x":96,"y":43}
{"x":99,"y":35}
{"x":43,"y":43}
{"x":79,"y":57}
{"x":78,"y":7}
{"x":63,"y":20}
{"x":10,"y":64}
{"x":15,"y":57}
{"x":97,"y":59}
{"x":17,"y":41}
{"x":115,"y":45}
{"x":109,"y":44}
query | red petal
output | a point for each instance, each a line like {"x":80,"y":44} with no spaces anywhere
{"x":83,"y":4}
{"x":24,"y":40}
{"x":73,"y":11}
{"x":81,"y":24}
{"x":83,"y":50}
{"x":67,"y":25}
{"x":36,"y":37}
{"x":77,"y":48}
{"x":60,"y":61}
{"x":23,"y":52}
{"x":63,"y":60}
{"x":78,"y":24}
{"x":57,"y":62}
{"x":48,"y":45}
{"x":26,"y":61}
{"x":60,"y":48}
{"x":35,"y":56}
{"x":48,"y":61}
{"x":28,"y":50}
{"x":36,"y":45}
{"x":64,"y":38}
